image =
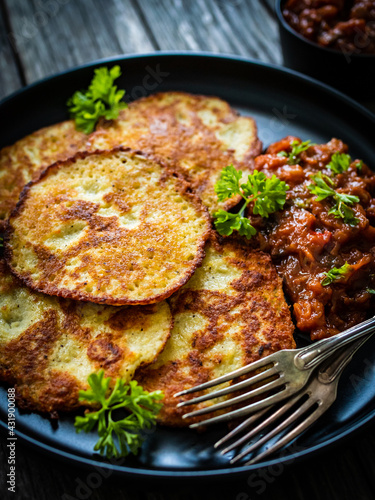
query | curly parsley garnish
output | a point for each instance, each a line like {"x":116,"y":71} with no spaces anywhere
{"x":341,"y":208}
{"x":267,"y":195}
{"x":340,"y":162}
{"x":101,"y":99}
{"x":336,"y":273}
{"x":141,"y":405}
{"x":297,"y":149}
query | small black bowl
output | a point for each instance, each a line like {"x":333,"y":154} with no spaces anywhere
{"x":351,"y":73}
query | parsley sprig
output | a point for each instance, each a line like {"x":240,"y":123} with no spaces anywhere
{"x":340,"y":208}
{"x":101,"y":99}
{"x":266,"y":194}
{"x":297,"y":149}
{"x":340,"y":162}
{"x":141,"y":405}
{"x":336,"y":274}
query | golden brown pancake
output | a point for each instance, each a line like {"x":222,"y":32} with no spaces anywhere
{"x":230,"y":313}
{"x":197,"y":135}
{"x":112,"y":227}
{"x":24,"y":160}
{"x":49,"y":346}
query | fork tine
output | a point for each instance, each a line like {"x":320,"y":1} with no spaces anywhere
{"x":232,"y":388}
{"x":297,"y":413}
{"x":327,"y":380}
{"x":241,"y":412}
{"x":260,"y":363}
{"x":238,"y":399}
{"x":241,"y":427}
{"x":272,"y":418}
{"x":291,"y":435}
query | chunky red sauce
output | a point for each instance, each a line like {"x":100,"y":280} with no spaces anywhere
{"x":305,"y":241}
{"x":348,"y":26}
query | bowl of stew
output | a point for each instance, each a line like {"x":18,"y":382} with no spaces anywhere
{"x":331,"y":40}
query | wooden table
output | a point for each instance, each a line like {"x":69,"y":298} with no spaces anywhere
{"x":42,"y":37}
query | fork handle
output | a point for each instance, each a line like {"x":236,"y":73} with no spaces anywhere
{"x":309,"y":357}
{"x":331,"y":370}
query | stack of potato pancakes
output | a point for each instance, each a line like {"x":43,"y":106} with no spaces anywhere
{"x":111,"y":261}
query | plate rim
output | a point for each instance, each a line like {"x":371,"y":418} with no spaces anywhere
{"x":159,"y":474}
{"x":139,"y":472}
{"x":195,"y":54}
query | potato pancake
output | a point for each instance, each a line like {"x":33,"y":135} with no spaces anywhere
{"x":112,"y":227}
{"x":24,"y":160}
{"x":197,"y":135}
{"x":49,"y":346}
{"x":230,"y":313}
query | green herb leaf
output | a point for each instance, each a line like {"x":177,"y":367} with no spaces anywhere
{"x":342,"y":201}
{"x":228,"y":183}
{"x":297,"y":149}
{"x":340,"y":162}
{"x":370,"y":290}
{"x":141,"y":405}
{"x":101,"y":99}
{"x":283,"y":154}
{"x":267,"y":194}
{"x":226,"y":223}
{"x":341,"y":211}
{"x":336,"y":274}
{"x":321,"y":188}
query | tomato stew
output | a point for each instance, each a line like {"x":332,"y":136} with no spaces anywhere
{"x":348,"y":26}
{"x":306,"y":240}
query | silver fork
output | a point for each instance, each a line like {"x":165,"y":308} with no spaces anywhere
{"x":308,"y":404}
{"x":289,"y":369}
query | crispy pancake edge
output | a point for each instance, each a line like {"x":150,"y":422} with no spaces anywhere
{"x":171,"y":376}
{"x":10,"y":156}
{"x":184,"y":189}
{"x":49,"y":391}
{"x":256,"y":146}
{"x":246,"y":164}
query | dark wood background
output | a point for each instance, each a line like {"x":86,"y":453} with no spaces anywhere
{"x":41,"y":37}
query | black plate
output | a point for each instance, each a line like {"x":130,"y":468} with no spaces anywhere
{"x":282,"y":102}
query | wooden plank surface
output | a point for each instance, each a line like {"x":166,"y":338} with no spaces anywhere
{"x":233,"y":27}
{"x":56,"y":35}
{"x":52,"y":35}
{"x":10,"y":79}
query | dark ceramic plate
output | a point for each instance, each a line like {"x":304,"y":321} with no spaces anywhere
{"x":282,"y":102}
